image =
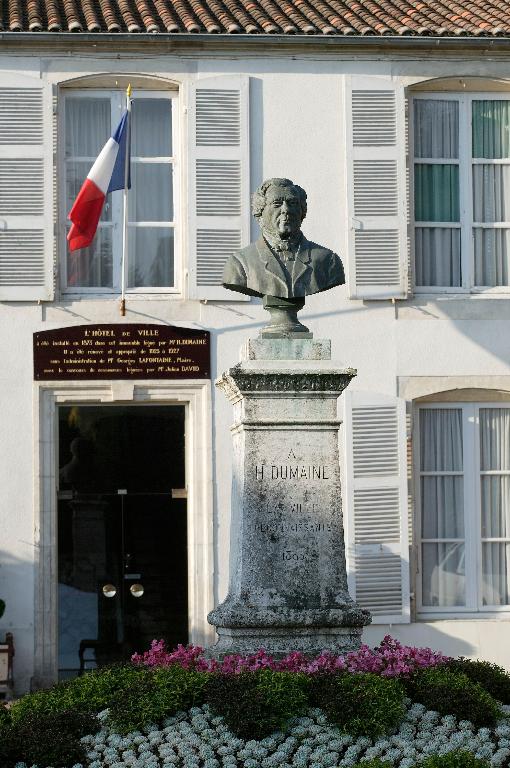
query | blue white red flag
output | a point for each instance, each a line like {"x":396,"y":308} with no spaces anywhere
{"x":109,"y":173}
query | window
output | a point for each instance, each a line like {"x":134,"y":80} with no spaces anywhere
{"x":89,"y":119}
{"x":461,"y":150}
{"x":464,"y":502}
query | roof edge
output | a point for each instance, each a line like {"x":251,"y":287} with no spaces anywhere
{"x":249,"y":41}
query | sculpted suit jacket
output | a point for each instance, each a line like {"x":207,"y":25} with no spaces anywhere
{"x":256,"y":271}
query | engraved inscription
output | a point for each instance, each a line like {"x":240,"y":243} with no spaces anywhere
{"x":294,"y":524}
{"x":291,"y":472}
{"x":121,"y":352}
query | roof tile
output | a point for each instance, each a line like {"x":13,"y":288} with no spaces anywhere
{"x":288,"y":17}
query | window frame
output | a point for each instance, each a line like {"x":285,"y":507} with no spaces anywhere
{"x":117,"y":104}
{"x":473,"y":609}
{"x":465,"y":162}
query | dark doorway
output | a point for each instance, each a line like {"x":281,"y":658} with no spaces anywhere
{"x":122,"y":532}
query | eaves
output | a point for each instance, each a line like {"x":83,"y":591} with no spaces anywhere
{"x":58,"y":43}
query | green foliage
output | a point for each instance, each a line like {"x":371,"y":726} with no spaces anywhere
{"x":91,"y":692}
{"x":158,"y":693}
{"x":5,"y":717}
{"x":375,"y":762}
{"x":457,"y":759}
{"x":47,"y":739}
{"x":453,"y":693}
{"x":255,"y":704}
{"x":494,"y":679}
{"x":362,"y":704}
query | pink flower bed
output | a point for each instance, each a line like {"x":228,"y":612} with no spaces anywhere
{"x":390,"y":659}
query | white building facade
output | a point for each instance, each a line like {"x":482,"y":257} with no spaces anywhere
{"x":403,"y":147}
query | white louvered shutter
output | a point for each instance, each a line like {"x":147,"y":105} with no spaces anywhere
{"x":219,"y":183}
{"x":376,"y":505}
{"x":26,"y":189}
{"x":376,"y":188}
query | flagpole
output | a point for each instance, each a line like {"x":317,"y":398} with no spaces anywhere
{"x":125,"y":211}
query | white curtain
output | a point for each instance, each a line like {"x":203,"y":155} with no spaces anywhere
{"x":495,"y":505}
{"x":491,"y":192}
{"x":437,"y":256}
{"x":151,"y":248}
{"x":87,"y":130}
{"x":436,"y":128}
{"x":491,"y":203}
{"x":442,"y":502}
{"x":87,"y":126}
{"x":436,"y":187}
{"x":492,"y":256}
{"x":441,"y":440}
{"x":152,"y":128}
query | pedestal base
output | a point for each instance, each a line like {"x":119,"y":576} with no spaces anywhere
{"x":288,"y":583}
{"x":280,"y":641}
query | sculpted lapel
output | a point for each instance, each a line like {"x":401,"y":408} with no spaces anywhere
{"x":302,"y":264}
{"x":271,"y":264}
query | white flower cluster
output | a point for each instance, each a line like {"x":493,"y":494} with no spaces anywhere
{"x":199,"y":739}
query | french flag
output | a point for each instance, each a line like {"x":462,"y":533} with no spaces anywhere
{"x":110,"y":172}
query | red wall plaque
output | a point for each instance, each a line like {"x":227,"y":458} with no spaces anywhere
{"x":122,"y":351}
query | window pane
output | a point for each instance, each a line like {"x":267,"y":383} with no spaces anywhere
{"x":441,"y":440}
{"x":151,"y":128}
{"x":494,"y":438}
{"x":150,"y":197}
{"x":491,"y":128}
{"x":87,"y":126}
{"x":495,"y":573}
{"x":442,"y":504}
{"x":492,"y":256}
{"x":92,"y":267}
{"x":491,"y":192}
{"x":495,"y":506}
{"x":436,"y":128}
{"x":436,"y":192}
{"x":443,"y":574}
{"x":437,"y":256}
{"x":151,"y":257}
{"x":76,"y":173}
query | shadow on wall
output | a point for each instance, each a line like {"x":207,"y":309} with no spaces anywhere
{"x":17,"y":590}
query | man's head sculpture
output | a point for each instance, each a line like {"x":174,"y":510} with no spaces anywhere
{"x":280,"y":207}
{"x":282,"y":266}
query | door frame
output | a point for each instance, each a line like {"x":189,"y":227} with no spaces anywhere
{"x":195,"y":395}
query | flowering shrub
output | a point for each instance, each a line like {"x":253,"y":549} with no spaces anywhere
{"x":154,"y":713}
{"x":390,"y":659}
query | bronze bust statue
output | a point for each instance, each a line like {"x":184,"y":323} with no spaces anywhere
{"x":282,"y":266}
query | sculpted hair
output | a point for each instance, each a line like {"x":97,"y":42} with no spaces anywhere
{"x":258,"y":200}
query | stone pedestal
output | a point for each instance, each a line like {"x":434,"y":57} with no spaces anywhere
{"x":288,"y":585}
